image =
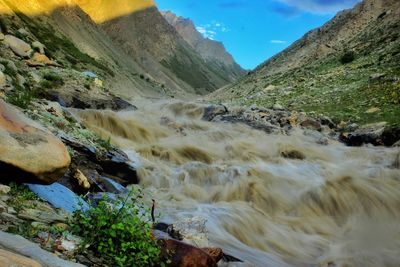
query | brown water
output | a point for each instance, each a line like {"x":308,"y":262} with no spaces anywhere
{"x":340,"y":206}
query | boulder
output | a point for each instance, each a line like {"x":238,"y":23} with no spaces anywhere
{"x":59,"y":196}
{"x":4,"y":189}
{"x":311,"y":124}
{"x":212,"y":111}
{"x":1,"y":36}
{"x":23,"y":32}
{"x":18,"y":46}
{"x":376,"y":134}
{"x":8,"y":259}
{"x":28,"y":152}
{"x":40,"y":60}
{"x":29,"y":249}
{"x":184,"y":255}
{"x":216,"y":253}
{"x":278,"y":107}
{"x":38,"y":46}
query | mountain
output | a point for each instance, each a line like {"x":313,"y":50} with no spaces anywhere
{"x":213,"y":52}
{"x":129,"y":39}
{"x":348,"y":68}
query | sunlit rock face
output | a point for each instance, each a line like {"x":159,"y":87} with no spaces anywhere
{"x":99,"y":10}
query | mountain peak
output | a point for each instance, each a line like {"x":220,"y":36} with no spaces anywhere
{"x":213,"y":52}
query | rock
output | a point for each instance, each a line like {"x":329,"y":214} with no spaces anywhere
{"x":29,"y":249}
{"x":396,"y":163}
{"x":20,"y":80}
{"x":116,"y":163}
{"x":112,"y":186}
{"x":311,"y":124}
{"x":40,"y":60}
{"x":10,"y":218}
{"x":327,"y":121}
{"x":28,"y":152}
{"x":391,"y":135}
{"x":1,"y":36}
{"x":68,"y":243}
{"x":215,"y":253}
{"x":82,"y":180}
{"x":3,"y":80}
{"x":4,"y":189}
{"x":23,"y":32}
{"x":84,"y":101}
{"x":377,"y":76}
{"x":9,"y":259}
{"x":293,"y":154}
{"x":59,"y":196}
{"x":184,"y":255}
{"x":11,"y":65}
{"x":35,"y":77}
{"x":212,"y":111}
{"x":19,"y":47}
{"x":98,"y":82}
{"x":41,"y":216}
{"x":192,"y":231}
{"x":38,"y":46}
{"x":376,"y":134}
{"x":278,"y":107}
{"x":373,"y":110}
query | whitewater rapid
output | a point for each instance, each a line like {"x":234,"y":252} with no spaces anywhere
{"x":339,"y":206}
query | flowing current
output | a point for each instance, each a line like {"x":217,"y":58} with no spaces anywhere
{"x":340,"y":206}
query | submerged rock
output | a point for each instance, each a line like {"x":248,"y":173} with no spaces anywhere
{"x":212,"y":111}
{"x":28,"y":152}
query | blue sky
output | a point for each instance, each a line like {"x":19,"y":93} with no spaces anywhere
{"x":254,"y":30}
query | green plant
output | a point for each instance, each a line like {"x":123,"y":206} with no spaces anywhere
{"x":20,"y":97}
{"x":347,"y":57}
{"x":119,"y":233}
{"x":19,"y":195}
{"x":3,"y":25}
{"x":8,"y":69}
{"x":106,"y":144}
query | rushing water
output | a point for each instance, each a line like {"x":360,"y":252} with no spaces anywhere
{"x":340,"y":206}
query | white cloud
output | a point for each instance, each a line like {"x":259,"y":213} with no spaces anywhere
{"x":212,"y":29}
{"x":321,"y":6}
{"x":278,"y":42}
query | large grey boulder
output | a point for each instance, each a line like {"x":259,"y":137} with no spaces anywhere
{"x":18,"y":46}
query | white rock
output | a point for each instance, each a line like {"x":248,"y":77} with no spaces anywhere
{"x":4,"y":189}
{"x":39,"y":46}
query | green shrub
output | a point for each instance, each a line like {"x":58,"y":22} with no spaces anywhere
{"x":106,"y":144}
{"x":51,"y":80}
{"x":20,"y":97}
{"x":347,"y":57}
{"x":120,"y":236}
{"x":19,"y":194}
{"x":3,"y":26}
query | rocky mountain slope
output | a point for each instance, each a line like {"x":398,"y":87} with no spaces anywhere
{"x":134,"y":46}
{"x":348,"y":68}
{"x":213,"y":52}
